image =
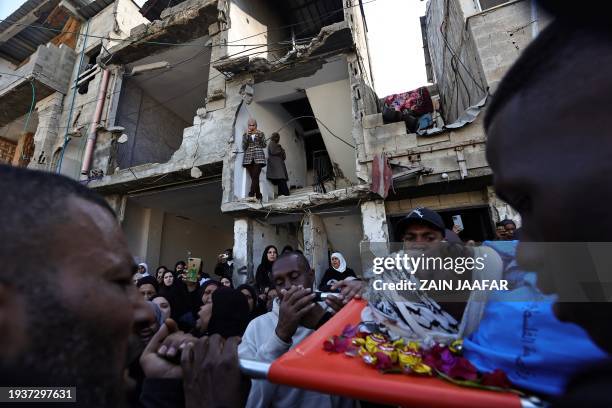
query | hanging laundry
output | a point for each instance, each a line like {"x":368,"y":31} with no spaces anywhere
{"x":382,"y":175}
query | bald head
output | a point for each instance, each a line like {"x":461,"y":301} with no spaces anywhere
{"x":292,"y":268}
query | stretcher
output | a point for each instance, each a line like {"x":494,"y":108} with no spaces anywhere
{"x":308,"y":366}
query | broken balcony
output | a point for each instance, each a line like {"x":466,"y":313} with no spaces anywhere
{"x":48,"y":69}
{"x":443,"y":153}
{"x":309,"y":31}
{"x":313,"y":117}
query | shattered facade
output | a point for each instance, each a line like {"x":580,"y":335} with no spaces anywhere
{"x":148,"y":107}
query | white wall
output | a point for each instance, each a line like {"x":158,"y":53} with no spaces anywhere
{"x":331,"y":104}
{"x":344,"y":235}
{"x":181,"y":236}
{"x":264,"y":235}
{"x":133,"y":225}
{"x":270,"y":117}
{"x":161,"y":238}
{"x":253,"y":18}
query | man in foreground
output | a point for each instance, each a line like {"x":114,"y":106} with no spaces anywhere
{"x":533,"y":114}
{"x":67,"y":302}
{"x":66,"y":296}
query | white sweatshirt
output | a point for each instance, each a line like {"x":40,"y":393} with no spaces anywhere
{"x":261,"y":343}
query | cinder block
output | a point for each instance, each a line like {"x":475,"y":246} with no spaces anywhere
{"x":428,"y":140}
{"x":432,"y":202}
{"x":460,"y":198}
{"x":406,"y":204}
{"x":372,"y":121}
{"x":475,"y":160}
{"x":392,"y":207}
{"x":405,"y":142}
{"x":478,"y":197}
{"x":397,"y":128}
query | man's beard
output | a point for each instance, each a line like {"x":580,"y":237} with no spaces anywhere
{"x":64,"y":350}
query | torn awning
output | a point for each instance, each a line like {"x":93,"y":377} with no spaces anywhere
{"x":467,"y":117}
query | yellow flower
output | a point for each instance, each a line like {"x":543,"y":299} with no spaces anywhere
{"x":456,"y":346}
{"x":421,"y":369}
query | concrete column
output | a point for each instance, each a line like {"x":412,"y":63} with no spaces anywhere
{"x":243,"y":250}
{"x":315,"y":244}
{"x":47,"y":135}
{"x":118,"y":203}
{"x":153,"y":238}
{"x":374,"y":219}
{"x":216,"y":84}
{"x":500,"y":209}
{"x":375,"y":229}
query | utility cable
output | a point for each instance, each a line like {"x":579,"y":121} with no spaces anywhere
{"x":40,"y":27}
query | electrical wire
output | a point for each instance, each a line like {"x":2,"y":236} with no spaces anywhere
{"x":189,"y":59}
{"x":321,"y":122}
{"x":66,"y":138}
{"x":33,"y":101}
{"x":40,"y":27}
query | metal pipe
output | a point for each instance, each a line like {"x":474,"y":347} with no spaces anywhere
{"x":93,"y":129}
{"x":535,"y":28}
{"x":74,"y":91}
{"x":254,"y":369}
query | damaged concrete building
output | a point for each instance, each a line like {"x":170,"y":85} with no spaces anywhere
{"x":148,"y":105}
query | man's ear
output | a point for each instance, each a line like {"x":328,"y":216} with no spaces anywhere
{"x":13,"y":323}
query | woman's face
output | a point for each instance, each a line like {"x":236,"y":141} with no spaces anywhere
{"x":335,"y":262}
{"x":160,"y":274}
{"x":249,"y":297}
{"x":226,"y":282}
{"x":271,"y":254}
{"x":136,"y":276}
{"x":141,"y":269}
{"x":164,"y":306}
{"x":147,"y":291}
{"x":207,"y":295}
{"x":168,"y":279}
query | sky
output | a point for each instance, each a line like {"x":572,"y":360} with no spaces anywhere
{"x":394,"y":33}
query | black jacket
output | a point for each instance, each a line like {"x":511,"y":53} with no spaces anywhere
{"x":332,"y":276}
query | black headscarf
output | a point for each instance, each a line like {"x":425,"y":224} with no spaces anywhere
{"x":230,"y":313}
{"x":208,"y":283}
{"x":264,"y":270}
{"x":259,"y":306}
{"x":150,"y":280}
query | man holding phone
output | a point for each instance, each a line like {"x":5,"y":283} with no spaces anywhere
{"x":293,"y":317}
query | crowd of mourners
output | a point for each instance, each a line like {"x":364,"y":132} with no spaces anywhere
{"x":76,"y":311}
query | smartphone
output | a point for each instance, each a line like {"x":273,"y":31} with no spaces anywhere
{"x":458,"y":222}
{"x":193,"y":269}
{"x":320,"y":296}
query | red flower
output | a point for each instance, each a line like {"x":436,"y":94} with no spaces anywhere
{"x":337,"y":344}
{"x":383,"y":361}
{"x":463,"y":369}
{"x":496,"y":379}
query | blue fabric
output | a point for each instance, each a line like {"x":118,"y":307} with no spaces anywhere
{"x":524,"y":338}
{"x":425,"y":121}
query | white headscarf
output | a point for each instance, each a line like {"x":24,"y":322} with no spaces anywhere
{"x":146,"y":268}
{"x":342,"y":266}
